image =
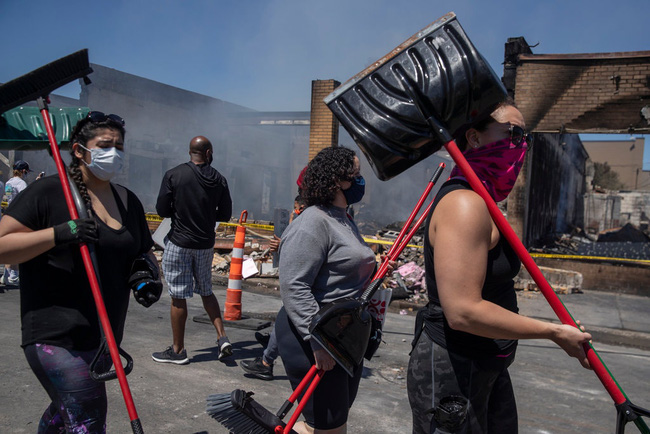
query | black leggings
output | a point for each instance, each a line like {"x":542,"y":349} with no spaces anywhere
{"x":328,"y":407}
{"x":78,"y":402}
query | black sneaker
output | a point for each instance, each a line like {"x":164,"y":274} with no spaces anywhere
{"x":169,"y":356}
{"x":257,"y":368}
{"x":225,"y":348}
{"x":262,"y":338}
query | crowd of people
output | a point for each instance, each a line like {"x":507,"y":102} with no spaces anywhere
{"x":462,"y":350}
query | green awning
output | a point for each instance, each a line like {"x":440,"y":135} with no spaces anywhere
{"x":22,"y":128}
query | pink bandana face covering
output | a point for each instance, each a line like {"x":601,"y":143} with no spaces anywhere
{"x":497,"y":165}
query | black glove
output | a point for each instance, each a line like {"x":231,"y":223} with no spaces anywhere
{"x":76,"y":231}
{"x":144,"y":281}
{"x":147,"y":292}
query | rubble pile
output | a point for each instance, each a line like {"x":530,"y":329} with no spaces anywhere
{"x":626,"y":242}
{"x":407,"y":280}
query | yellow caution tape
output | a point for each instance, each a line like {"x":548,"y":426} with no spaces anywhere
{"x":156,"y":218}
{"x":374,"y":241}
{"x":595,"y":258}
{"x":249,"y":225}
{"x":151,"y":217}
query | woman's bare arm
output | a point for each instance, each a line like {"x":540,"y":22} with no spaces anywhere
{"x":462,"y":233}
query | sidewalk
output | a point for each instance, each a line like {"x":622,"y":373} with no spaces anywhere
{"x":615,"y":319}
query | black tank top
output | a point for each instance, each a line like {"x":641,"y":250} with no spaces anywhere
{"x":502,"y":266}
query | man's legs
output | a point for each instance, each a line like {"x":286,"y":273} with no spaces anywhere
{"x":211,"y":306}
{"x":177,"y":270}
{"x":178,"y":318}
{"x":202,"y":271}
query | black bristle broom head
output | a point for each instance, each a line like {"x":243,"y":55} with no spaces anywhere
{"x":241,"y":414}
{"x":42,"y":81}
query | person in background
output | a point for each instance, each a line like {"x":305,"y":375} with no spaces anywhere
{"x":262,"y":367}
{"x":14,"y":185}
{"x":196,"y":197}
{"x":60,"y":326}
{"x":323,"y":258}
{"x":298,"y":207}
{"x":457,"y":378}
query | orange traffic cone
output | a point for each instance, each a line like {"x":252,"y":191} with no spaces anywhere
{"x":232,"y":311}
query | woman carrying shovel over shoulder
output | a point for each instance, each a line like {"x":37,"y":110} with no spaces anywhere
{"x":323,"y":258}
{"x":60,"y":327}
{"x":458,"y":379}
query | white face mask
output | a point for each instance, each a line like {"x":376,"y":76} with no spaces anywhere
{"x":105,"y":163}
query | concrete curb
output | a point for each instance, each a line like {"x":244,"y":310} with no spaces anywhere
{"x":605,"y":335}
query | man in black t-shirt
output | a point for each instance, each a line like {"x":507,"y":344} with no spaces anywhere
{"x":196,"y":197}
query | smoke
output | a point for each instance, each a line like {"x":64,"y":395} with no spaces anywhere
{"x":259,"y":153}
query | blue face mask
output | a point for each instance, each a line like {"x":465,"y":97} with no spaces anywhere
{"x":355,"y":193}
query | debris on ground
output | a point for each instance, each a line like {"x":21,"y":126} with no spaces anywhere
{"x":626,"y":242}
{"x":407,"y":281}
{"x":564,"y":281}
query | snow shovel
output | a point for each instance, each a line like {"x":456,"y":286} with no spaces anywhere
{"x":37,"y":85}
{"x":410,"y":104}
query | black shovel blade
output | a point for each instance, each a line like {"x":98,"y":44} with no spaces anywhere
{"x":453,"y":81}
{"x":343,"y":329}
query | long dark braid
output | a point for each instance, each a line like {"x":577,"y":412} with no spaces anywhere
{"x":77,"y":178}
{"x":84,"y":131}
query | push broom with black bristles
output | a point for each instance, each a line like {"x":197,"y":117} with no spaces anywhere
{"x":241,"y":414}
{"x":37,"y":85}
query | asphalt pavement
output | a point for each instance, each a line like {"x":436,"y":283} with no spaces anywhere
{"x":172,"y":399}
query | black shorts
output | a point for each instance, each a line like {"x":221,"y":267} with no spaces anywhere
{"x":434,"y":373}
{"x":328,"y":407}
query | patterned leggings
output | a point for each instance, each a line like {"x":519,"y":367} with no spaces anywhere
{"x":78,"y":402}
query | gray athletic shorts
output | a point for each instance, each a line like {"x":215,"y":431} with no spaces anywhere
{"x":187,"y":271}
{"x":434,"y":373}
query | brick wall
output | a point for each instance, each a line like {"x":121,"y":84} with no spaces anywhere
{"x":579,"y":93}
{"x":324,"y":127}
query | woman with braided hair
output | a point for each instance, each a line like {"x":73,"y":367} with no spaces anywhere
{"x":60,"y":328}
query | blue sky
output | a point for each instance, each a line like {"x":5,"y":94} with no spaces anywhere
{"x":263,"y":54}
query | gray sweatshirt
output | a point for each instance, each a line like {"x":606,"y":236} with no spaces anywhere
{"x":323,"y":258}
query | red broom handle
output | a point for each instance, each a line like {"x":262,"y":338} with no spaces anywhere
{"x":605,"y":377}
{"x":296,"y":393}
{"x":305,"y":398}
{"x":398,"y":246}
{"x":415,"y":211}
{"x":90,"y":271}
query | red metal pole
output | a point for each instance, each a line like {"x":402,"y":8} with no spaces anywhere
{"x":381,"y":272}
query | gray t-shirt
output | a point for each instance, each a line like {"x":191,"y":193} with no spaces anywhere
{"x":323,"y":258}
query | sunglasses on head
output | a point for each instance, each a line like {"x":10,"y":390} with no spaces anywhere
{"x":518,"y":135}
{"x":101,"y":117}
